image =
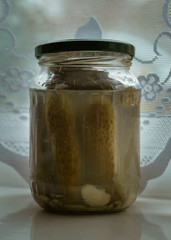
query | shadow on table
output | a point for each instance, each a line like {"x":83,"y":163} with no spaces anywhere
{"x":35,"y":224}
{"x":67,"y":227}
{"x":130,"y":224}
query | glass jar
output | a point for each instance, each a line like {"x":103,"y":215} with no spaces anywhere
{"x":84,"y":127}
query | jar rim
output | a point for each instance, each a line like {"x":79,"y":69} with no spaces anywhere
{"x":85,"y":45}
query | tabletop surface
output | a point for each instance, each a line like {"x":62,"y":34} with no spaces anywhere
{"x":22,"y":219}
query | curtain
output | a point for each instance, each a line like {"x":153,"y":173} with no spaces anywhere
{"x":146,"y":24}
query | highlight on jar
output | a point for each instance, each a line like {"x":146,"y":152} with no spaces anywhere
{"x":84,"y":127}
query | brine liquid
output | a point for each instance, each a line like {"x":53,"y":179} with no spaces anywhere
{"x":84,"y":149}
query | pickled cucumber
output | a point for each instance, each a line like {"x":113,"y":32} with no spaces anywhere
{"x":98,"y":131}
{"x":109,"y":151}
{"x":40,"y":166}
{"x":65,"y":149}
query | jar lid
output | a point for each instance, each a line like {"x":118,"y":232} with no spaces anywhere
{"x":84,"y":45}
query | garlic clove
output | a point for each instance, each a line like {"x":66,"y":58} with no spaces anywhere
{"x":95,"y":197}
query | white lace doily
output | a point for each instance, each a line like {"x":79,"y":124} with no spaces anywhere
{"x":14,"y":132}
{"x":155,"y":132}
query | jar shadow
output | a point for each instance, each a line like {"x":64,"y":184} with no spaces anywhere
{"x":122,"y":225}
{"x":35,"y":224}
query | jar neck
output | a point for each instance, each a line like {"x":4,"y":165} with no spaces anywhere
{"x":86,"y":60}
